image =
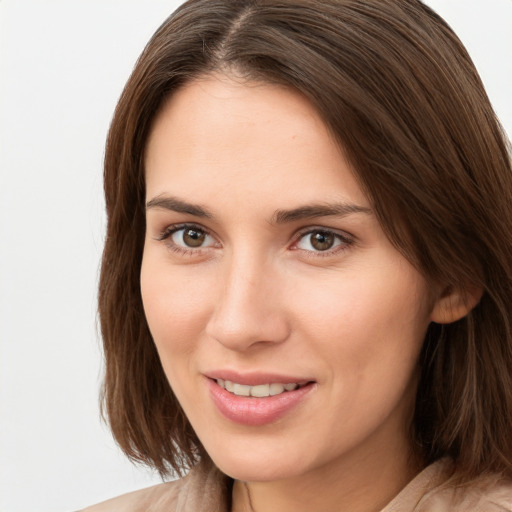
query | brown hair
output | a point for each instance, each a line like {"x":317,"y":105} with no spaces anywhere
{"x":401,"y":95}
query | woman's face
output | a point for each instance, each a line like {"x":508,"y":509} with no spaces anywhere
{"x":264,"y":265}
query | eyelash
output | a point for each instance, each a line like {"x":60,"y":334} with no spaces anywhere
{"x":166,"y":235}
{"x":345,"y":240}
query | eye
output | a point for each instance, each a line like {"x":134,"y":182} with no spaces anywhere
{"x":187,"y":239}
{"x":321,"y":240}
{"x":191,"y":237}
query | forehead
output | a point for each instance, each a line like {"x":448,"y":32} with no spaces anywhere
{"x":218,"y":136}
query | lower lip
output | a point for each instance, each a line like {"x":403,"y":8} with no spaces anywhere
{"x":256,"y":411}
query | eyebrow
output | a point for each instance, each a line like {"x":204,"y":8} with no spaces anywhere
{"x":177,"y":205}
{"x":318,"y":210}
{"x":279,"y":217}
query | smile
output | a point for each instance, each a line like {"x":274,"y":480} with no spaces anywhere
{"x":260,"y":402}
{"x":259,"y":391}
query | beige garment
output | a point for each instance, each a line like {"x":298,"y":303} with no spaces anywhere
{"x":200,"y":491}
{"x":210,"y":491}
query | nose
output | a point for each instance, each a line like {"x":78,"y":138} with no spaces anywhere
{"x":250,"y":310}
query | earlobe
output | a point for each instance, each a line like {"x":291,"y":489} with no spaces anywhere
{"x":455,"y":304}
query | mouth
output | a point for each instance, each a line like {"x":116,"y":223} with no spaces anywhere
{"x":258,"y":400}
{"x":259,"y":391}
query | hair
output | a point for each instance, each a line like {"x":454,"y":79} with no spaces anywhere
{"x":401,"y":96}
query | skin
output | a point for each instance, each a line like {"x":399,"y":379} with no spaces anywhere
{"x":256,"y":295}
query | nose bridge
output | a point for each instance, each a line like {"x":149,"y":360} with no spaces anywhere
{"x":249,"y":308}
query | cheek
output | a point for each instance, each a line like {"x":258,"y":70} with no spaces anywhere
{"x":376,"y":318}
{"x":177,"y":304}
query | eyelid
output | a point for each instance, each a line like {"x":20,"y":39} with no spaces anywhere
{"x":173,"y":228}
{"x":346,"y":238}
{"x":166,"y":234}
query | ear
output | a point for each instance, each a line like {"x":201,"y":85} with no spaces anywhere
{"x":454,"y":304}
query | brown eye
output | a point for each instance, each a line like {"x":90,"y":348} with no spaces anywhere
{"x":190,"y":237}
{"x":193,"y":237}
{"x":321,"y":240}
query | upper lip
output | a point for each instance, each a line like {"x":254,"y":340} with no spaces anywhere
{"x":255,"y":378}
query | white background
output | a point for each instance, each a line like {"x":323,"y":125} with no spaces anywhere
{"x":63,"y":64}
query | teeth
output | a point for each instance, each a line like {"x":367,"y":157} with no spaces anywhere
{"x":260,"y":391}
{"x":276,"y":389}
{"x":242,"y":390}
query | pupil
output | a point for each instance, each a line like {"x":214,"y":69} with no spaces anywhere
{"x":193,"y":237}
{"x":322,"y":241}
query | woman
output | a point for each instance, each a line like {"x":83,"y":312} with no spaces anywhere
{"x":307,"y":275}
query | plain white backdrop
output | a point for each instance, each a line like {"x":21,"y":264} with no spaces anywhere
{"x":63,"y":64}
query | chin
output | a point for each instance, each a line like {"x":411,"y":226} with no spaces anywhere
{"x":256,"y":472}
{"x":257,"y":466}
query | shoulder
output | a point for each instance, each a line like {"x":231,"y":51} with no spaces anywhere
{"x":491,"y":494}
{"x":433,"y":490}
{"x":204,"y":488}
{"x":165,"y":494}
